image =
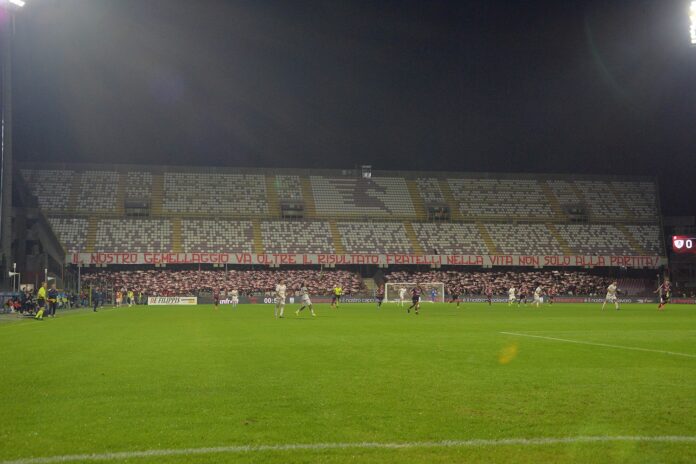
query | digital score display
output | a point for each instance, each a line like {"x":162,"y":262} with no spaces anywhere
{"x":684,"y":244}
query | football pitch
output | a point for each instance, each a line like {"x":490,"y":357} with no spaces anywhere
{"x":564,"y":383}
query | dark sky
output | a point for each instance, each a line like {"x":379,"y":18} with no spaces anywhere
{"x":523,"y":85}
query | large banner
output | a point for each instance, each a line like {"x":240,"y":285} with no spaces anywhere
{"x":285,"y":259}
{"x":172,"y":300}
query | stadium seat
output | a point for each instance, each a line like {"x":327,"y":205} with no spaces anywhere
{"x":374,"y":237}
{"x":215,"y":193}
{"x":51,"y":187}
{"x":500,"y":198}
{"x":359,"y":197}
{"x":297,"y":237}
{"x":524,"y":239}
{"x":133,"y":235}
{"x":98,"y":191}
{"x":71,"y":232}
{"x":436,"y":238}
{"x":288,"y":187}
{"x":595,"y":239}
{"x":215,"y":236}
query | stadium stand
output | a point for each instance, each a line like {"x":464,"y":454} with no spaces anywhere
{"x":288,"y":187}
{"x":296,"y":237}
{"x":165,"y":283}
{"x":596,"y":239}
{"x":72,"y":232}
{"x":201,"y":210}
{"x":215,"y":193}
{"x":648,"y":237}
{"x":51,"y":187}
{"x":138,"y":185}
{"x":535,"y":239}
{"x":216,"y":235}
{"x":133,"y":235}
{"x":500,"y":198}
{"x":360,"y":197}
{"x":374,"y":237}
{"x":448,"y":238}
{"x":430,"y":190}
{"x":98,"y":191}
{"x":564,"y":282}
{"x":639,"y":197}
{"x":600,"y":199}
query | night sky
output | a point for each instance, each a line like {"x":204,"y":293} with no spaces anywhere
{"x":522,"y":86}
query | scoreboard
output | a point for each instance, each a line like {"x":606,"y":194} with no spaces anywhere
{"x":684,"y":244}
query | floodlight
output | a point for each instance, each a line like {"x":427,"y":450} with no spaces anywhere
{"x":692,"y":16}
{"x":17,"y":3}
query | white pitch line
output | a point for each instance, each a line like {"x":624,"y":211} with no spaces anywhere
{"x":339,"y":446}
{"x":606,"y":345}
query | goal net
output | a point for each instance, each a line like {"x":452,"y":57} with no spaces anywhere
{"x":433,"y":292}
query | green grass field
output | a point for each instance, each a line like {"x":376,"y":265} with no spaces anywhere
{"x":187,"y":378}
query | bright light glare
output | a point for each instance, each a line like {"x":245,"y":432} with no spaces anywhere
{"x":21,"y":3}
{"x":692,"y":16}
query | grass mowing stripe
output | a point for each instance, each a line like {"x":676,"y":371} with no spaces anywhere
{"x":606,"y":345}
{"x":363,"y":445}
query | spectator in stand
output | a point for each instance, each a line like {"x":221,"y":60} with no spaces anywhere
{"x":183,"y":283}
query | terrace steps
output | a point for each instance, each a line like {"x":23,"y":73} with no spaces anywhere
{"x":310,"y":209}
{"x":552,"y":200}
{"x":336,"y":238}
{"x":74,"y":191}
{"x":455,"y":211}
{"x":121,"y":194}
{"x":176,"y":235}
{"x":565,"y":246}
{"x":631,"y":240}
{"x":91,"y":235}
{"x":487,"y":239}
{"x":416,"y":200}
{"x":258,"y":237}
{"x":413,"y":238}
{"x":157,"y":199}
{"x":272,"y":196}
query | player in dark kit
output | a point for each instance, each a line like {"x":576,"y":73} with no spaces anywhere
{"x":522,"y":297}
{"x":415,"y":298}
{"x":455,"y":293}
{"x":489,"y":295}
{"x":665,"y":291}
{"x":380,"y":296}
{"x":550,"y":294}
{"x":216,"y":298}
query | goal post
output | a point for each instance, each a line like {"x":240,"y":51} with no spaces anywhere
{"x":433,"y":292}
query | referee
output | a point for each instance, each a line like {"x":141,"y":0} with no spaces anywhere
{"x":41,"y":301}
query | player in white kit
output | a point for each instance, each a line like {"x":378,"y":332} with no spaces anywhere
{"x":280,"y":299}
{"x":537,"y":296}
{"x":511,"y":296}
{"x":306,"y":302}
{"x":402,"y":296}
{"x":611,"y":296}
{"x":234,"y":297}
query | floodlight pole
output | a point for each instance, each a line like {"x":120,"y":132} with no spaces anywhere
{"x":6,"y":33}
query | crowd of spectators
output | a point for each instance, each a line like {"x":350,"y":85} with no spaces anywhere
{"x":193,"y":283}
{"x":562,"y":282}
{"x":25,"y":301}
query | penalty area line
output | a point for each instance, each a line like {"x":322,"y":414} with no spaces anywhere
{"x":474,"y":443}
{"x":605,"y":345}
